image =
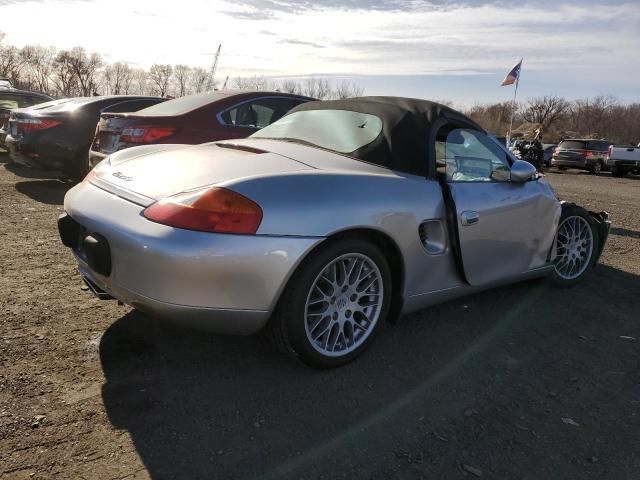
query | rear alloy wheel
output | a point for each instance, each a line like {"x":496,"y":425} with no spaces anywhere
{"x":577,"y":245}
{"x":334,"y":304}
{"x":597,"y":168}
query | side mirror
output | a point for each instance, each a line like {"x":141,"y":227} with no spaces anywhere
{"x":522,"y":171}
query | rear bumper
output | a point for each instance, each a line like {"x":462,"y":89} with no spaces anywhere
{"x":626,"y":165}
{"x":582,"y":164}
{"x":32,"y":154}
{"x":216,"y":282}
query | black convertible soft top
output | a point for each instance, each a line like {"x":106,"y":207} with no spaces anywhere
{"x":409,"y":128}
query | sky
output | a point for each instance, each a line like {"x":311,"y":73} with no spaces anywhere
{"x":457,"y":51}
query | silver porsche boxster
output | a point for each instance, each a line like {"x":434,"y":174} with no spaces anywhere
{"x":321,"y":226}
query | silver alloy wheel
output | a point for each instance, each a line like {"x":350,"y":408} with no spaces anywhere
{"x":343,"y":304}
{"x":575,"y":247}
{"x":597,"y":168}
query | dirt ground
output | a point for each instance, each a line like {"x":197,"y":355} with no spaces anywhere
{"x":523,"y":382}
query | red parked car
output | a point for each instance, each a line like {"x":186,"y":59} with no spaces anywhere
{"x":194,"y":119}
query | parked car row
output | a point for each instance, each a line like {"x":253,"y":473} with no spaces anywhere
{"x":72,"y":135}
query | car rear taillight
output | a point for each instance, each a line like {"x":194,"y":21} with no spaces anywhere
{"x":609,"y":151}
{"x":556,"y":151}
{"x":26,"y":125}
{"x":213,"y":210}
{"x":145,"y":134}
{"x":587,"y":154}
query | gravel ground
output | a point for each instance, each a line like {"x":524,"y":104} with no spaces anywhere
{"x":523,"y":382}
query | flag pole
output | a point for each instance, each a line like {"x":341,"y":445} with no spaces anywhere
{"x":513,"y":103}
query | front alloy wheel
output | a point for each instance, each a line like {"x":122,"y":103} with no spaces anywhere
{"x":576,"y":244}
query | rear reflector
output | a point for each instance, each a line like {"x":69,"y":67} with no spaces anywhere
{"x":213,"y":210}
{"x":145,"y":134}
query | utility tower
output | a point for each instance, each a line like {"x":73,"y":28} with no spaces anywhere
{"x":212,"y":72}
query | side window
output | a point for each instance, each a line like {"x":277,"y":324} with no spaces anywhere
{"x":471,"y":156}
{"x":258,"y":113}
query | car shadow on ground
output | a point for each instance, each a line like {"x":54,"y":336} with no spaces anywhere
{"x":624,"y":232}
{"x":51,"y":192}
{"x":29,"y":172}
{"x":204,"y":406}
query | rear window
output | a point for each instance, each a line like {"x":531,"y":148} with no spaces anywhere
{"x":342,"y":131}
{"x":9,"y":101}
{"x":131,"y":105}
{"x":572,"y":144}
{"x":179,"y":106}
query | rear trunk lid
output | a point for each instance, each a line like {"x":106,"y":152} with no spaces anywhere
{"x":149,"y":173}
{"x":109,"y":138}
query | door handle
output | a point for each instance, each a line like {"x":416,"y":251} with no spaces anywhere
{"x":470,"y":218}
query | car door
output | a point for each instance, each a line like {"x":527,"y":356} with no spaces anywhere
{"x":504,"y":228}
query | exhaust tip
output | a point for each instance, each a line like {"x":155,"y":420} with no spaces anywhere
{"x":97,"y":291}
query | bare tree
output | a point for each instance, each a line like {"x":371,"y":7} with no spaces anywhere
{"x":11,"y":63}
{"x":140,"y":82}
{"x":290,"y":86}
{"x":85,"y":68}
{"x":198,"y":79}
{"x":181,"y":74}
{"x":252,"y":83}
{"x":63,"y":77}
{"x":310,"y":88}
{"x":545,"y":110}
{"x":592,"y":116}
{"x":38,"y":62}
{"x":493,"y":117}
{"x":323,"y":89}
{"x":118,"y":78}
{"x":160,"y":77}
{"x":346,"y":89}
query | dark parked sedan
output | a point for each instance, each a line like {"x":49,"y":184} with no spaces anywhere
{"x":194,"y":119}
{"x":58,"y":137}
{"x":11,"y":99}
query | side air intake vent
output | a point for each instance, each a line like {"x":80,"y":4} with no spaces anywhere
{"x":433,"y":237}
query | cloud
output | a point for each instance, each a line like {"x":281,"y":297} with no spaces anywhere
{"x":292,"y":41}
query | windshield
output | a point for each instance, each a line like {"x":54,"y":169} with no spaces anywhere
{"x":338,"y":130}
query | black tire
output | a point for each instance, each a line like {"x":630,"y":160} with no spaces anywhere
{"x":569,"y":211}
{"x":562,"y":169}
{"x":618,"y":172}
{"x":286,"y":329}
{"x":597,"y":168}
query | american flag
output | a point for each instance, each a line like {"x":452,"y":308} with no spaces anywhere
{"x":513,"y":76}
